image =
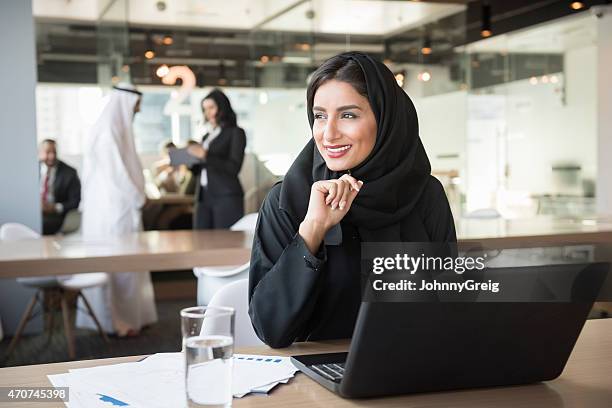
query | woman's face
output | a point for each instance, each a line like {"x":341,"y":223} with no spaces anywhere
{"x":344,"y":127}
{"x":210,"y":111}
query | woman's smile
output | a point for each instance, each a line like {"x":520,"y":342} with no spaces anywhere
{"x":337,"y":151}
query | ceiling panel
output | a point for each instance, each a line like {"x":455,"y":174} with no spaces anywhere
{"x":366,"y":17}
{"x":557,"y":37}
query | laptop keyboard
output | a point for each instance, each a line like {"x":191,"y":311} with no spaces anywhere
{"x":333,"y":372}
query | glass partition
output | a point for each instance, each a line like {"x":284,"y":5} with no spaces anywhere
{"x":113,"y":42}
{"x":508,"y":122}
{"x":531,"y":113}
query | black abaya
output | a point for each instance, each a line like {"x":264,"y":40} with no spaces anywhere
{"x":297,"y":296}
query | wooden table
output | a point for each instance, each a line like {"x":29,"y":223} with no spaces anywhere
{"x":151,"y":250}
{"x":585,"y":382}
{"x":172,"y":198}
{"x":170,"y":250}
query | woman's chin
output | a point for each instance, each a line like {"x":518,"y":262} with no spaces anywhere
{"x":334,"y":165}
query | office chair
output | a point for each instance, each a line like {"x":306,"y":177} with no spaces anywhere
{"x":235,"y":295}
{"x":52,"y":292}
{"x":211,"y":279}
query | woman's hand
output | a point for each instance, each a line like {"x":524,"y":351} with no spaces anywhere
{"x":197,"y":151}
{"x":330,"y":201}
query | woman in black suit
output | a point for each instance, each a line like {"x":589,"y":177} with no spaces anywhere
{"x":219,"y":194}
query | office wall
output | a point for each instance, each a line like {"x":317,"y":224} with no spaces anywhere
{"x":18,"y":170}
{"x":20,"y":200}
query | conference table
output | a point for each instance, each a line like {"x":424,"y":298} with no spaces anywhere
{"x":143,"y":251}
{"x":585,"y":382}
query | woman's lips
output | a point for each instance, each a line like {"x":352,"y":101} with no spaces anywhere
{"x":336,"y":151}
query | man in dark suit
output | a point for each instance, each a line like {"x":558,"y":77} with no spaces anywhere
{"x":60,"y":188}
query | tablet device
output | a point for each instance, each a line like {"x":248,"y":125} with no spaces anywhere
{"x":182,"y":156}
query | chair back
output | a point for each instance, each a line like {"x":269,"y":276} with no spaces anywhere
{"x":12,"y":231}
{"x":235,"y":295}
{"x":246,"y":223}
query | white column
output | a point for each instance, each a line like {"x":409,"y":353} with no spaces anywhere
{"x":604,"y":110}
{"x":19,"y":166}
{"x":19,"y":189}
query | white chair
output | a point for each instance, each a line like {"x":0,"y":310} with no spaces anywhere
{"x":235,"y":295}
{"x":211,"y":279}
{"x":246,"y":223}
{"x":50,"y":291}
{"x":72,"y":222}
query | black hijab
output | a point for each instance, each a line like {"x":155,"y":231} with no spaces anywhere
{"x":394,"y":174}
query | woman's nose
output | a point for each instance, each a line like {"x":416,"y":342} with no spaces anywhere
{"x":331,"y":132}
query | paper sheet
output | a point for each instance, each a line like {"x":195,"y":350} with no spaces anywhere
{"x":158,"y":381}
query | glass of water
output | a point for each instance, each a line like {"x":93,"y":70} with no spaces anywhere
{"x":208,"y":345}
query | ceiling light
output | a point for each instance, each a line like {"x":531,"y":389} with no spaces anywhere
{"x":222,"y":77}
{"x":424,"y":76}
{"x":162,"y":71}
{"x":485,"y":29}
{"x":167,"y":40}
{"x":263,"y":98}
{"x":149,"y":51}
{"x":577,"y":5}
{"x":399,"y":78}
{"x":426,"y":48}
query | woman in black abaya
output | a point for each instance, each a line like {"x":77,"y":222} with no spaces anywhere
{"x":363,"y":177}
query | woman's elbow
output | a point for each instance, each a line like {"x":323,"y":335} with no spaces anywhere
{"x":276,"y":343}
{"x":271,"y":336}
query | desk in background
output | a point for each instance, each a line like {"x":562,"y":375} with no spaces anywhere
{"x":150,"y":250}
{"x":168,"y":211}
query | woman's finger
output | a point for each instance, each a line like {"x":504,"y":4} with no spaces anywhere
{"x":352,"y":195}
{"x":352,"y":180}
{"x":331,"y":192}
{"x":341,"y":186}
{"x":345,"y":195}
{"x":322,"y":186}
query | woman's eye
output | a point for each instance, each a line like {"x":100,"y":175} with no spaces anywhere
{"x":348,"y":115}
{"x":319,"y":116}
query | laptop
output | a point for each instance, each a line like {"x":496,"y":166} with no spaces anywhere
{"x":409,"y":347}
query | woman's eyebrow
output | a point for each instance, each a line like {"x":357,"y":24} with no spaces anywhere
{"x":340,"y":108}
{"x":347,"y":107}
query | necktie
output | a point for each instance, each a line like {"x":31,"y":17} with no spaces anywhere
{"x":45,"y":187}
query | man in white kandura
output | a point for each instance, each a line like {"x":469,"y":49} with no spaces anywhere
{"x":113,"y":195}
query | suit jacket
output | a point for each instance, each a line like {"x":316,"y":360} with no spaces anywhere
{"x":223,"y":163}
{"x":67,"y":187}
